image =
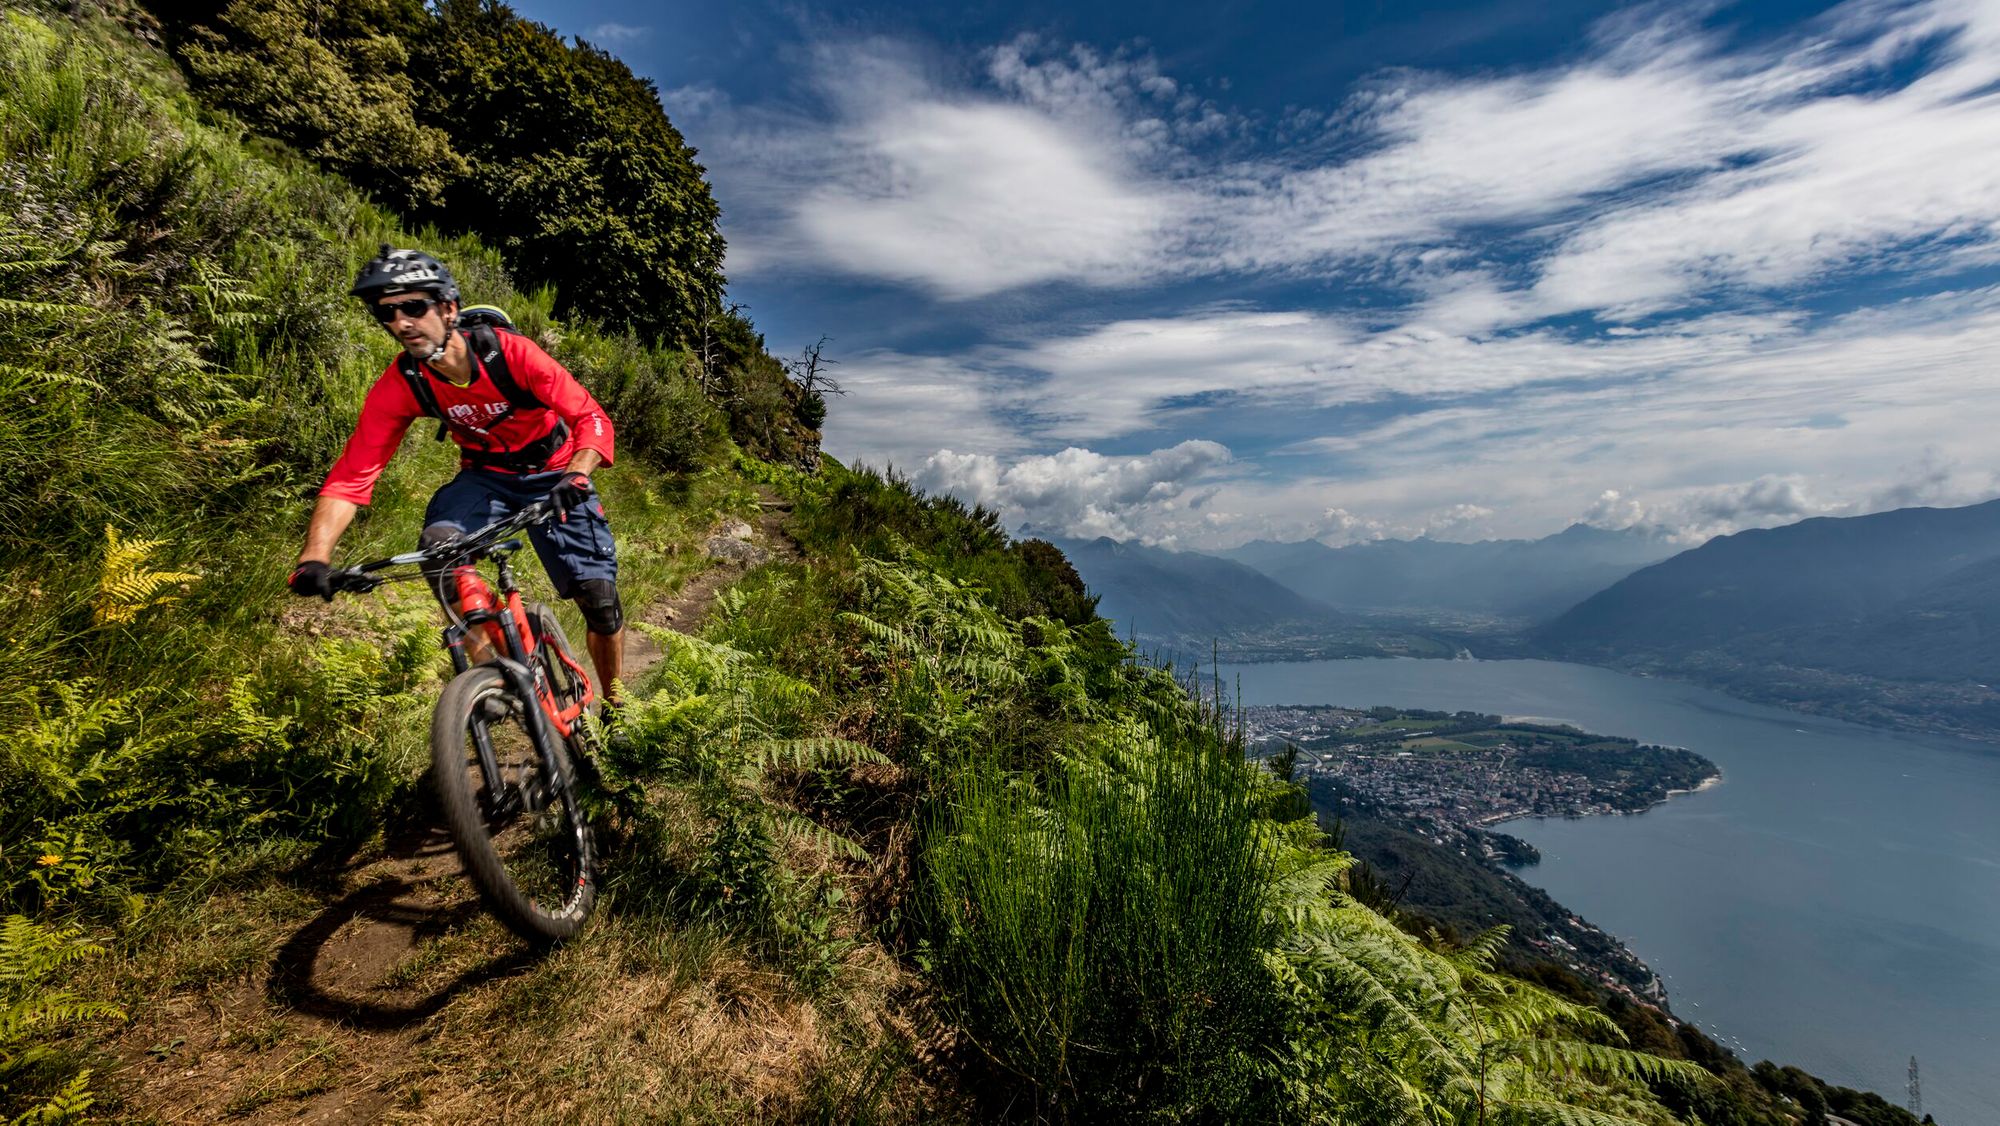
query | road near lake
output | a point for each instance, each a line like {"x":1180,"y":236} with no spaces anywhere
{"x":1834,"y":903}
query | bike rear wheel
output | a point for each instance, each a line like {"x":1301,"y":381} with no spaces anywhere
{"x":520,"y":832}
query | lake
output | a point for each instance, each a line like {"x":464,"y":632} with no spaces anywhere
{"x":1834,"y":903}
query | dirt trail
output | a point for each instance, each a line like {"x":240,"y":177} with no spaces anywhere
{"x":324,"y":1029}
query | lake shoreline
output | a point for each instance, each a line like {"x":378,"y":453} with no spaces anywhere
{"x":1835,"y":906}
{"x":1984,"y":740}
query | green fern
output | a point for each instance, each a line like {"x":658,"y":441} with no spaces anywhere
{"x":65,"y":1106}
{"x":809,"y":754}
{"x":30,"y":953}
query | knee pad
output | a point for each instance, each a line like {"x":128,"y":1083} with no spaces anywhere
{"x":603,"y":613}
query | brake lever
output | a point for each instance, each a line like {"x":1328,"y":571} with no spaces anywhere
{"x":352,"y":581}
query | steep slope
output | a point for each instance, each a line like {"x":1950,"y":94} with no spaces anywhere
{"x":1819,"y":572}
{"x":1529,"y":579}
{"x":1948,"y":631}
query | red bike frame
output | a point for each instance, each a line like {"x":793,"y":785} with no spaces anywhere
{"x":507,"y":629}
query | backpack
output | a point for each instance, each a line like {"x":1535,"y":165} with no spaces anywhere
{"x":481,"y":325}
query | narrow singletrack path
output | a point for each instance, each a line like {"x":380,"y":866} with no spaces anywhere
{"x":325,"y":1024}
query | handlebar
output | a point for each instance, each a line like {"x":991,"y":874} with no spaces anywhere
{"x":470,"y":547}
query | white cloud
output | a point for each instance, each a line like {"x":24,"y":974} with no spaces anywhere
{"x":1613,"y":509}
{"x":1459,"y":521}
{"x":1662,"y":164}
{"x":898,"y":410}
{"x":1689,"y":193}
{"x":1875,"y":409}
{"x":1080,"y":492}
{"x":969,"y":199}
{"x":610,"y":34}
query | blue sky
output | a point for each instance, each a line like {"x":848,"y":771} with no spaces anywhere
{"x":1203,"y":273}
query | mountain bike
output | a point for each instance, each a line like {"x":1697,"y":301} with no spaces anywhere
{"x":509,"y":733}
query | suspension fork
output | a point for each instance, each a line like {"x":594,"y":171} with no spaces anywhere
{"x":521,"y":680}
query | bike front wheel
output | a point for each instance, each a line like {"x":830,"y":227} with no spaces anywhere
{"x":512,"y":809}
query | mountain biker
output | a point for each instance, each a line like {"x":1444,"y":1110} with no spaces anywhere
{"x":511,"y":454}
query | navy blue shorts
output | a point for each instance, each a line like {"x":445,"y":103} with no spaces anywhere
{"x":573,"y":551}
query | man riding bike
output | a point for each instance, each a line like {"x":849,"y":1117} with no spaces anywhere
{"x":526,"y":430}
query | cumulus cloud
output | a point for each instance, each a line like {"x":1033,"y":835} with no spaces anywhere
{"x":1614,"y":510}
{"x":1459,"y":521}
{"x":1878,"y":408}
{"x":1080,"y":492}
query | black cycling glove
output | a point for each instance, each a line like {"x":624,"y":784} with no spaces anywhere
{"x":572,"y":491}
{"x":312,"y":578}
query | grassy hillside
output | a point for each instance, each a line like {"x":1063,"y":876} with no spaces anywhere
{"x":898,"y":830}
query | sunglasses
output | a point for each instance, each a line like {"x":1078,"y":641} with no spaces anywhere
{"x":413,"y":308}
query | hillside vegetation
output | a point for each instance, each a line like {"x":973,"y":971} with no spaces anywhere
{"x":897,"y":831}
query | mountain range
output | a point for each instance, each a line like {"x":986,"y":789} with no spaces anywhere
{"x":1522,"y":580}
{"x":1890,"y":618}
{"x":1823,"y":572}
{"x":1186,"y":604}
{"x":1158,"y":593}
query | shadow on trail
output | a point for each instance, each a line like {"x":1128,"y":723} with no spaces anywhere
{"x":350,"y":987}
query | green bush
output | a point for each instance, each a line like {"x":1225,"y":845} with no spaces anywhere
{"x":718,"y":726}
{"x":577,"y":175}
{"x":330,"y":79}
{"x":652,"y":396}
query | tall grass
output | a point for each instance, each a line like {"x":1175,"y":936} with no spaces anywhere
{"x":1100,"y":935}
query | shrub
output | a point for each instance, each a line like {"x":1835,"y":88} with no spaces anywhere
{"x":659,"y":409}
{"x":577,"y":175}
{"x":717,"y":728}
{"x":330,"y":79}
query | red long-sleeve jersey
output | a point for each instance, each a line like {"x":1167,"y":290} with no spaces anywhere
{"x":390,"y":408}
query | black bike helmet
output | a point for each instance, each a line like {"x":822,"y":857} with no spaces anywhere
{"x":404,"y":271}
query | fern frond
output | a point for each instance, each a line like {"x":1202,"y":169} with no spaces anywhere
{"x":43,"y":308}
{"x":29,"y":953}
{"x":1373,"y":998}
{"x":1578,"y":1057}
{"x":65,"y":1106}
{"x":29,"y":950}
{"x":16,"y":376}
{"x":1483,"y":950}
{"x":819,"y":836}
{"x":806,"y":754}
{"x":125,"y":587}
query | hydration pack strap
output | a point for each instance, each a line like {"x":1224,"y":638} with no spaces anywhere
{"x":484,"y":341}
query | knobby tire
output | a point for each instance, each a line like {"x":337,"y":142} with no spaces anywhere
{"x":534,"y":864}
